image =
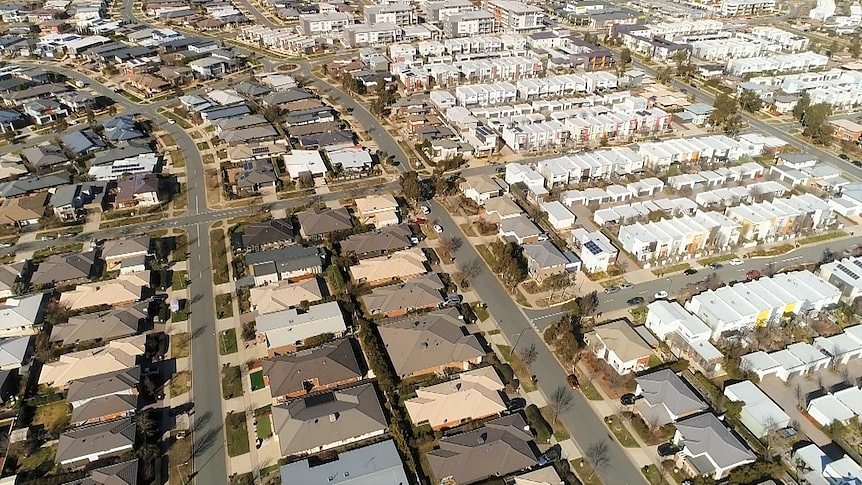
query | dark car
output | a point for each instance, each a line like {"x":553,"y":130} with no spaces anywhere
{"x":716,"y":266}
{"x":637,"y":300}
{"x":628,"y":399}
{"x":667,"y":449}
{"x":752,"y":275}
{"x":843,"y":157}
{"x":689,"y":272}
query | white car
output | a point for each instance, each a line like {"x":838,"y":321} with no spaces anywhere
{"x":438,"y":228}
{"x":426,"y":210}
{"x":660,"y":295}
{"x":735,"y":262}
{"x":172,"y":121}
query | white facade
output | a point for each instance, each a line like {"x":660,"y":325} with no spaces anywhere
{"x":595,"y":250}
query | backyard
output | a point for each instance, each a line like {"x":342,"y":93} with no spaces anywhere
{"x":54,"y":416}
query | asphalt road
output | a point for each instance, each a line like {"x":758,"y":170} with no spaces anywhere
{"x":585,"y":426}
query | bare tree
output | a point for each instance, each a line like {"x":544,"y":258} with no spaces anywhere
{"x":448,"y":245}
{"x":598,"y":454}
{"x":560,"y":401}
{"x":528,"y":354}
{"x":801,"y":396}
{"x":845,"y":374}
{"x":470,"y":269}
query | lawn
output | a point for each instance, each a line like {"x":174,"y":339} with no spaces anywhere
{"x":584,"y":471}
{"x":243,"y":296}
{"x":560,"y":431}
{"x":773,"y":251}
{"x":256,"y":379}
{"x":180,"y":316}
{"x":231,"y":382}
{"x":520,"y":371}
{"x":181,"y":247}
{"x":224,"y":305}
{"x":41,"y":460}
{"x":227,"y":342}
{"x":208,"y":158}
{"x":264,"y":427}
{"x":180,"y":345}
{"x":716,"y":259}
{"x":180,"y":469}
{"x":54,"y":416}
{"x":674,"y":268}
{"x":237,"y":434}
{"x":179,"y":120}
{"x":481,"y":312}
{"x":181,"y":383}
{"x":652,"y":474}
{"x":178,"y":159}
{"x":218,"y":252}
{"x":822,"y":237}
{"x":43,"y":253}
{"x":619,"y":430}
{"x":203,"y":146}
{"x":180,"y":277}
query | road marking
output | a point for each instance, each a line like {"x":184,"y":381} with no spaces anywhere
{"x":546,"y":316}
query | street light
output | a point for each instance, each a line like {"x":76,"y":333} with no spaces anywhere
{"x":517,"y":339}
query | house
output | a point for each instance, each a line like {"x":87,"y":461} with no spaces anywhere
{"x":398,"y":266}
{"x":81,"y":446}
{"x":287,"y":330}
{"x":665,"y":398}
{"x":273,"y":233}
{"x":24,"y":211}
{"x":137,"y":190}
{"x":429,"y":343}
{"x":125,"y":473}
{"x":327,"y":420}
{"x":686,"y":335}
{"x":11,"y":275}
{"x":72,"y":202}
{"x":594,"y":249}
{"x":620,"y":345}
{"x":82,"y":142}
{"x":116,"y":251}
{"x":377,"y":210}
{"x":819,"y":468}
{"x":60,"y":269}
{"x":379,"y":463}
{"x":471,"y":395}
{"x":759,"y":414}
{"x":559,"y":217}
{"x":102,"y":326}
{"x":519,"y":229}
{"x":114,"y":356}
{"x":304,"y":163}
{"x":253,"y":176}
{"x":709,"y":447}
{"x":104,"y":397}
{"x":846,"y":275}
{"x":540,"y":476}
{"x":344,"y":158}
{"x":15,"y":352}
{"x":544,"y":260}
{"x":123,"y":290}
{"x":480,"y":188}
{"x":844,"y":129}
{"x":19,"y":316}
{"x":335,"y":364}
{"x":315,"y":224}
{"x":828,"y":409}
{"x":697,"y":113}
{"x":377,"y":243}
{"x":424,"y":292}
{"x":288,"y":263}
{"x":44,"y":156}
{"x":500,"y":208}
{"x":121,"y":128}
{"x":284,"y":295}
{"x":464,"y":458}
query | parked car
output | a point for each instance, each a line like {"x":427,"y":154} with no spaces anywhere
{"x":689,"y":272}
{"x":438,"y":228}
{"x":667,"y":449}
{"x":426,"y":210}
{"x":660,"y":295}
{"x":637,"y":300}
{"x":843,"y":156}
{"x":572,"y":381}
{"x":735,"y":262}
{"x":752,"y":275}
{"x":716,"y":266}
{"x":610,"y":290}
{"x":628,"y":399}
{"x":626,"y":286}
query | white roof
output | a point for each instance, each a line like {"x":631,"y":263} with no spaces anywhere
{"x":557,"y":210}
{"x":304,"y":161}
{"x":760,"y":361}
{"x":850,"y":397}
{"x":289,"y":326}
{"x":831,"y":408}
{"x":757,"y":403}
{"x":807,"y":353}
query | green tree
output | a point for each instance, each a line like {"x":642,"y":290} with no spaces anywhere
{"x":854,"y":48}
{"x":410,"y":186}
{"x":733,"y":125}
{"x":750,"y":101}
{"x":625,"y":56}
{"x":725,"y":107}
{"x":801,"y":106}
{"x":816,"y":123}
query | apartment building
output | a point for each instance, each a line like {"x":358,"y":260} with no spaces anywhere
{"x":845,"y":274}
{"x":362,"y":35}
{"x":439,"y":10}
{"x":566,"y":85}
{"x":788,"y":41}
{"x":400,"y":15}
{"x":486,"y":94}
{"x":736,"y":8}
{"x":324,"y":23}
{"x":468,"y":24}
{"x":514,"y":16}
{"x":680,"y":237}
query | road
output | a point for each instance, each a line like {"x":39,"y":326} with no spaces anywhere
{"x":585,"y":426}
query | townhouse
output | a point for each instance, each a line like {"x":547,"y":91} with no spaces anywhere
{"x":781,"y":219}
{"x":681,"y":237}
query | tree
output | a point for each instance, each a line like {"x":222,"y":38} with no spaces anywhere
{"x":148,"y":452}
{"x":598,"y":454}
{"x":510,"y":263}
{"x":801,"y":106}
{"x":834,"y":48}
{"x":528,"y":354}
{"x":725,"y":107}
{"x":145,"y":423}
{"x":410,"y":186}
{"x":560,"y":401}
{"x":663,"y":75}
{"x":733,"y":125}
{"x":750,"y":101}
{"x":816,"y":123}
{"x":854,"y":48}
{"x":625,"y":56}
{"x":470,"y":269}
{"x":449,"y":245}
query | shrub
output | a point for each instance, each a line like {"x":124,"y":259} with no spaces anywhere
{"x":538,"y":423}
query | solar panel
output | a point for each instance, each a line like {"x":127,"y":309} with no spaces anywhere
{"x":592,"y":247}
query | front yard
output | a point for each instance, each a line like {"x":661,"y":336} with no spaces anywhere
{"x":227,"y":342}
{"x":180,"y":343}
{"x":236,"y":430}
{"x":231,"y":382}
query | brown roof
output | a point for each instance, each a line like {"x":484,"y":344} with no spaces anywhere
{"x":319,"y":222}
{"x":59,"y":268}
{"x":24,"y":208}
{"x":327,"y":364}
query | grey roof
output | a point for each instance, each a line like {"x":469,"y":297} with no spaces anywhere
{"x":79,"y":142}
{"x":387,"y":239}
{"x":33,"y":183}
{"x":65,"y":195}
{"x":120,"y":153}
{"x":275,"y":231}
{"x":250,"y":89}
{"x":78,"y":443}
{"x":122,"y":247}
{"x":222,"y":112}
{"x":312,"y":128}
{"x":318,"y":222}
{"x":544,"y":254}
{"x":430,"y":340}
{"x":100,"y":407}
{"x":13,"y":351}
{"x":377,"y":464}
{"x":420,"y":292}
{"x":704,"y":434}
{"x":255,"y":172}
{"x":44,"y":156}
{"x":103,"y":384}
{"x":285,"y":260}
{"x":59,"y":268}
{"x":241,"y":122}
{"x":120,"y":128}
{"x":665,"y":396}
{"x":22,"y":312}
{"x":326,"y":138}
{"x":326,"y":418}
{"x":288,"y":96}
{"x":327,"y":365}
{"x":125,"y":473}
{"x":105,"y":326}
{"x":9,"y":274}
{"x":498,"y":448}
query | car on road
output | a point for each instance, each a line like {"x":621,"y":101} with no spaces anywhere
{"x":628,"y":399}
{"x":667,"y":449}
{"x":438,"y":228}
{"x":426,"y":210}
{"x":735,"y":262}
{"x":843,"y":156}
{"x":689,"y":272}
{"x":572,"y":381}
{"x":626,"y":286}
{"x":858,"y":163}
{"x":661,"y":295}
{"x":716,"y":266}
{"x":610,"y":290}
{"x":172,"y":121}
{"x":637,"y":300}
{"x":350,"y":110}
{"x":752,"y":275}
